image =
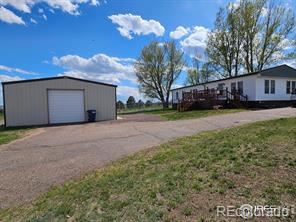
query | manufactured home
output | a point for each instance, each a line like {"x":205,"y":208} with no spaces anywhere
{"x":57,"y":100}
{"x":273,"y":87}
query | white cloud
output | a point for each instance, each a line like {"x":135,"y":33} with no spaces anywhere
{"x":179,"y":32}
{"x":233,"y":5}
{"x":134,"y":24}
{"x":25,"y":6}
{"x":9,"y":17}
{"x":175,"y":86}
{"x":9,"y":69}
{"x":20,"y":5}
{"x":95,"y":2}
{"x":125,"y":91}
{"x":33,"y":20}
{"x":264,"y":11}
{"x":196,"y":42}
{"x":6,"y":78}
{"x":288,"y":44}
{"x":40,"y":10}
{"x":289,"y":62}
{"x":236,"y":4}
{"x":100,"y":67}
{"x":45,"y":17}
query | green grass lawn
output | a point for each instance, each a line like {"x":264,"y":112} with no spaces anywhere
{"x":139,"y":110}
{"x":12,"y":133}
{"x":171,"y":114}
{"x":182,"y":180}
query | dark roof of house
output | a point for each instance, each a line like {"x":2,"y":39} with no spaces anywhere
{"x":277,"y":71}
{"x":58,"y":77}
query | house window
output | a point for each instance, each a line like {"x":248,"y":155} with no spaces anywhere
{"x":272,"y":86}
{"x":293,"y":86}
{"x":177,"y":95}
{"x":288,"y":90}
{"x":220,"y":86}
{"x":233,"y":87}
{"x":240,"y":87}
{"x":266,"y":86}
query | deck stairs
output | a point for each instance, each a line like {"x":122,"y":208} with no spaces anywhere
{"x":209,"y":98}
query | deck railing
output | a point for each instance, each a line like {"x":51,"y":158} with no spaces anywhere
{"x":213,"y":94}
{"x":210,"y":95}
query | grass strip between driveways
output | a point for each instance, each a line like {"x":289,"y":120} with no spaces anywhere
{"x":10,"y":134}
{"x":181,"y":180}
{"x":139,"y":110}
{"x":171,"y":114}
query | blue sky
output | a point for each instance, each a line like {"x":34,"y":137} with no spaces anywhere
{"x":96,"y":39}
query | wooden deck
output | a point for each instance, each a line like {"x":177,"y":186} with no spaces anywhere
{"x":211,"y":98}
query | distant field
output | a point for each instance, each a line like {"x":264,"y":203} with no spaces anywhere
{"x":1,"y":115}
{"x":139,"y":110}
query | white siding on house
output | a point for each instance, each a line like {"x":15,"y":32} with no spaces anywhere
{"x":280,"y":89}
{"x":249,"y":87}
{"x":254,"y":86}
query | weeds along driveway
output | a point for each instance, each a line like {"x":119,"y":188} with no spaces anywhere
{"x":32,"y":165}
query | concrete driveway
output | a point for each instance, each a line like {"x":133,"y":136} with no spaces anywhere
{"x":32,"y":165}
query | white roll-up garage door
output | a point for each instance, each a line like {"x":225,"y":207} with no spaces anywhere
{"x":66,"y":106}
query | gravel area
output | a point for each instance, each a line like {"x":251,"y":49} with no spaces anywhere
{"x":32,"y":165}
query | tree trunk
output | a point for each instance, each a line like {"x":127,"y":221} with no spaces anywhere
{"x":165,"y":105}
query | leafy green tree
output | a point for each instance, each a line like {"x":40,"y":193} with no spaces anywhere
{"x":120,"y":105}
{"x":157,"y":68}
{"x":148,"y":103}
{"x":130,"y":103}
{"x":140,"y":104}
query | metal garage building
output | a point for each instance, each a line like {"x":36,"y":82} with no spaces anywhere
{"x":56,"y":100}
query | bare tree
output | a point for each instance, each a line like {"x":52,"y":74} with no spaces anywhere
{"x":225,"y":43}
{"x":199,"y":72}
{"x":250,"y":36}
{"x":193,"y":73}
{"x":277,"y":24}
{"x":157,"y":69}
{"x":207,"y":72}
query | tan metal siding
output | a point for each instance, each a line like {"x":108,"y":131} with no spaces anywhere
{"x":26,"y":102}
